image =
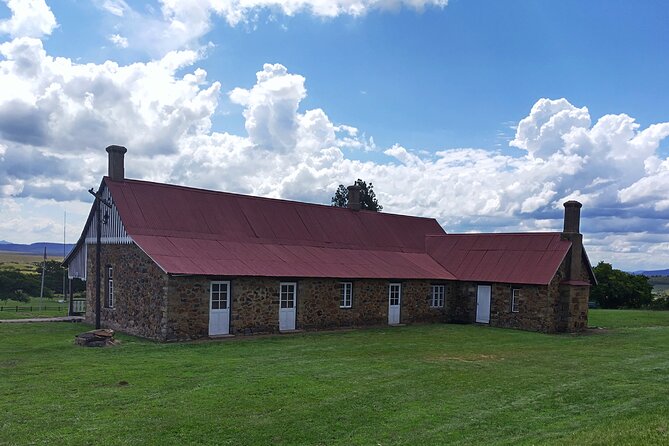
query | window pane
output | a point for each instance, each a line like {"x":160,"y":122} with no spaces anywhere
{"x":345,"y":298}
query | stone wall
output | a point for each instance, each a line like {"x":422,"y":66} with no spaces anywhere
{"x":254,"y":305}
{"x":552,"y":308}
{"x":151,"y":304}
{"x":574,"y":303}
{"x":537,"y":309}
{"x":461,"y":307}
{"x":140,"y":288}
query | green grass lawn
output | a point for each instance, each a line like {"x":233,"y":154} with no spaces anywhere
{"x":414,"y":385}
{"x":40,"y":308}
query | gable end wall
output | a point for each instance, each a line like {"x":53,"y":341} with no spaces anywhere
{"x":140,"y":289}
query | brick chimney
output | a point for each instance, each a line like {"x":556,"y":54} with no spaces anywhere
{"x":572,"y":223}
{"x":115,"y":164}
{"x":354,"y":197}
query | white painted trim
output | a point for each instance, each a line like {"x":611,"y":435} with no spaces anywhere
{"x":438,"y":300}
{"x":288,"y":315}
{"x":343,"y":297}
{"x":515,"y":296}
{"x":219,"y":318}
{"x":483,"y":313}
{"x":394,"y":309}
{"x":114,"y":231}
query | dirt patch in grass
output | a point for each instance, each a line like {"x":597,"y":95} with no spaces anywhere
{"x":8,"y":364}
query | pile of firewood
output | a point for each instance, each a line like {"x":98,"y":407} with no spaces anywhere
{"x":96,"y":338}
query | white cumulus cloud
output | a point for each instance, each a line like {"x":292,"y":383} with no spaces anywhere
{"x":119,"y":40}
{"x":57,"y":115}
{"x":30,"y":18}
{"x":182,"y":23}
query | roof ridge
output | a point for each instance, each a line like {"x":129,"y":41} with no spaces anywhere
{"x":478,"y":234}
{"x":256,"y":197}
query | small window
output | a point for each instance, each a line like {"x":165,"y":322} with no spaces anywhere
{"x":346,"y":298}
{"x":515,"y":300}
{"x":287,"y":294}
{"x":219,"y":295}
{"x":438,"y":292}
{"x":395,"y":294}
{"x":109,"y":303}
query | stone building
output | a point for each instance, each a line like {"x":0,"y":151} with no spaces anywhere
{"x":178,"y":263}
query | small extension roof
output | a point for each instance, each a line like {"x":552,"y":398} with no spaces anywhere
{"x":526,"y":258}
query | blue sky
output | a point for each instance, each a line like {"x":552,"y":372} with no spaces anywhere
{"x":484,"y":114}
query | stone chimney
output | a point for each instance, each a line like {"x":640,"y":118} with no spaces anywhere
{"x":572,"y":217}
{"x":354,"y":197}
{"x":572,"y":223}
{"x":572,"y":309}
{"x":115,"y":164}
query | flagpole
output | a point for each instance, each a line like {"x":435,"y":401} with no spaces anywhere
{"x":41,"y":290}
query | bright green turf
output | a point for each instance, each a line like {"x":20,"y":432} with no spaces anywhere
{"x":414,"y":385}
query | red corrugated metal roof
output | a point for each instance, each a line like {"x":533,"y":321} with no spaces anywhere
{"x":195,"y":231}
{"x":529,"y":258}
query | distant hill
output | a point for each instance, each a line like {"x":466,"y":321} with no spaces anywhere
{"x":656,"y":272}
{"x":52,"y":249}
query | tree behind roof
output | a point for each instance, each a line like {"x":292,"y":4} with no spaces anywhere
{"x":368,"y":198}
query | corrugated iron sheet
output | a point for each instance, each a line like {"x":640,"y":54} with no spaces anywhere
{"x":187,"y":256}
{"x":529,"y":258}
{"x":194,"y":231}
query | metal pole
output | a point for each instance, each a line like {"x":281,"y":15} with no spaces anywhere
{"x":41,"y":290}
{"x":64,"y":269}
{"x":98,"y":245}
{"x":70,"y":303}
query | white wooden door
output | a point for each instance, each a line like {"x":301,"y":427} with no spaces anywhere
{"x":287,"y":305}
{"x":483,"y":304}
{"x":394,"y":302}
{"x":219,"y":308}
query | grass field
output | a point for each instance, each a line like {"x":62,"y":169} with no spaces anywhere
{"x":45,"y":308}
{"x":414,"y":385}
{"x":27,"y":265}
{"x":21,"y":258}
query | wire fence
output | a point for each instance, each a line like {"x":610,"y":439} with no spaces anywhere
{"x":78,"y":306}
{"x":31,"y":308}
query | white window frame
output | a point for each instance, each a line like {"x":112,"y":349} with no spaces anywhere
{"x":515,"y":300}
{"x":110,"y":287}
{"x":395,"y":293}
{"x":438,"y":296}
{"x":283,"y":300}
{"x":346,"y":295}
{"x":218,"y":292}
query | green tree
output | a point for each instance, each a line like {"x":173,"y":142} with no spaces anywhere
{"x":618,"y":289}
{"x":368,"y":198}
{"x":15,"y":284}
